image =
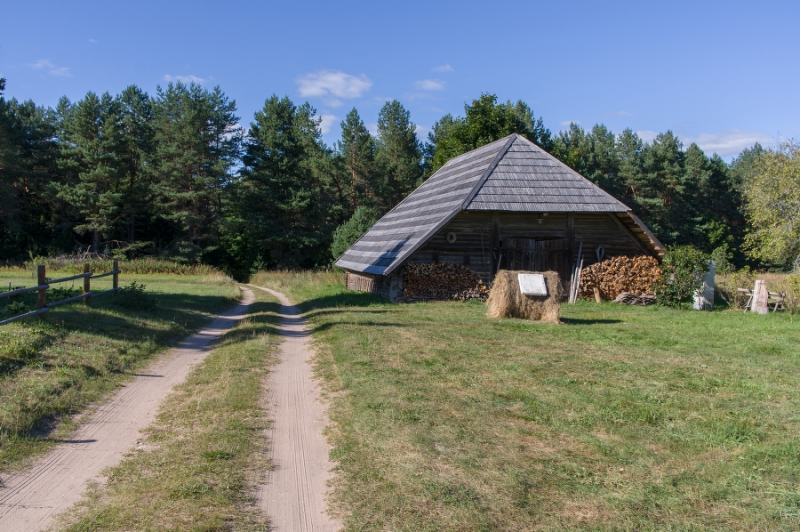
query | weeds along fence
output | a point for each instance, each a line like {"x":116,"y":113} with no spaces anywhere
{"x":42,"y":306}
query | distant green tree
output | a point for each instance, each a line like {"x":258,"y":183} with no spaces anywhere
{"x":773,"y":205}
{"x":485,"y":121}
{"x":197,"y":143}
{"x":90,"y":150}
{"x":350,"y":231}
{"x":279,"y":212}
{"x":593,"y":155}
{"x":358,"y":150}
{"x":135,"y":159}
{"x":399,"y":154}
{"x":31,"y":218}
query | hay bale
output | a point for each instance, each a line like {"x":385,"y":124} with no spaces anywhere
{"x":506,"y":301}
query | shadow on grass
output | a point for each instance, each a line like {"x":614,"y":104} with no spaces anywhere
{"x":579,"y":321}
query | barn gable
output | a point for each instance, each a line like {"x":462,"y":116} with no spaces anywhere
{"x":512,"y":175}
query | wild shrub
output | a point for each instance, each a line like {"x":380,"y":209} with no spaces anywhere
{"x":727,"y":286}
{"x":135,"y":297}
{"x":791,"y":286}
{"x":684,"y":268}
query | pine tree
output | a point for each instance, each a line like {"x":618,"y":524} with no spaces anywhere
{"x":279,"y":211}
{"x":399,"y":155}
{"x":90,"y":150}
{"x":136,"y":155}
{"x":357,"y":149}
{"x":197,"y":143}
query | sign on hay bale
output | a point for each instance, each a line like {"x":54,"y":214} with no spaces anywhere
{"x":506,"y":300}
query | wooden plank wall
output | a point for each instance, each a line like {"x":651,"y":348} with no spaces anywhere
{"x":365,"y":282}
{"x":601,"y":230}
{"x":473,"y":231}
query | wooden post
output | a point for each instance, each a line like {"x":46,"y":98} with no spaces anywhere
{"x":115,"y":276}
{"x":760,"y":297}
{"x":87,"y":285}
{"x":597,"y":297}
{"x":41,"y":301}
{"x":494,"y":246}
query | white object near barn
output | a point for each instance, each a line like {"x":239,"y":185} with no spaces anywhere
{"x":532,"y":284}
{"x":704,"y":297}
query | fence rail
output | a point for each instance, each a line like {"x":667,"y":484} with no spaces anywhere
{"x":42,"y":306}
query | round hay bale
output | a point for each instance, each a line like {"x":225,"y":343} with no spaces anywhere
{"x":506,"y":300}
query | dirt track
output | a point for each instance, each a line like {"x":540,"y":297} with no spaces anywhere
{"x":31,"y":498}
{"x":294,"y":494}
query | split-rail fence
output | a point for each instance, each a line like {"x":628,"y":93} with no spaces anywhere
{"x":42,"y":306}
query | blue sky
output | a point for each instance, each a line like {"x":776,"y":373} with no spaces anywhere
{"x":723,"y":74}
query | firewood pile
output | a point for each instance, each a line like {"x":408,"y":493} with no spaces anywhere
{"x":629,"y":298}
{"x":444,"y":280}
{"x":614,"y":276}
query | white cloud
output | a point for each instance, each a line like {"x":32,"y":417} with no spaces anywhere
{"x":730,"y":142}
{"x":624,"y":113}
{"x":184,"y":79}
{"x":53,"y":70}
{"x":93,"y":41}
{"x":567,"y":123}
{"x":331,"y":85}
{"x":429,"y":85}
{"x":372,"y":127}
{"x":422,"y":131}
{"x":647,"y":135}
{"x":443,"y":68}
{"x":328,"y":121}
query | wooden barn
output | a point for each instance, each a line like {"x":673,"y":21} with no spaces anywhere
{"x":506,"y":205}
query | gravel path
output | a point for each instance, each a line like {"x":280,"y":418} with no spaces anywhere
{"x":31,"y":498}
{"x":293,"y":496}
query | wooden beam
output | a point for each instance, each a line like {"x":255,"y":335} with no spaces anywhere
{"x":494,"y":244}
{"x":630,"y":234}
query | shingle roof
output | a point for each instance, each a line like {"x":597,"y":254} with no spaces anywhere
{"x":510,"y":174}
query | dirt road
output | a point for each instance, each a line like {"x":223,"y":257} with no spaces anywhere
{"x":293,"y":496}
{"x":31,"y":498}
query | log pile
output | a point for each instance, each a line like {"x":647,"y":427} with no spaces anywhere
{"x":629,"y":298}
{"x":444,"y":280}
{"x":620,"y":274}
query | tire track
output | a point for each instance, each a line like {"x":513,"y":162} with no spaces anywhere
{"x":31,"y":498}
{"x":293,"y":496}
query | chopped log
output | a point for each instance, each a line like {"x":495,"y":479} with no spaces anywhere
{"x":614,"y":276}
{"x":444,"y":280}
{"x":629,"y":298}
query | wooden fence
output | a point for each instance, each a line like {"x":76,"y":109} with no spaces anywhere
{"x":42,"y":306}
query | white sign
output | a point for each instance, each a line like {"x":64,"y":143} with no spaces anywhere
{"x":532,"y":284}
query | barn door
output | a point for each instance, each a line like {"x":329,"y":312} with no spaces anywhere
{"x":519,"y":253}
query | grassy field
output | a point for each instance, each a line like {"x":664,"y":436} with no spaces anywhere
{"x":50,"y":370}
{"x":201,"y":458}
{"x":621,"y":418}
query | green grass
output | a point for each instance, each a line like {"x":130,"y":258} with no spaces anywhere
{"x":51,"y":370}
{"x":197,"y":466}
{"x":621,"y":418}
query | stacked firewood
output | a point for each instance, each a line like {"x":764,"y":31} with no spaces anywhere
{"x":629,"y":298}
{"x":444,"y":280}
{"x":620,"y":274}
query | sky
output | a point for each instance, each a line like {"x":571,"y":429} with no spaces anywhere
{"x":722,"y":74}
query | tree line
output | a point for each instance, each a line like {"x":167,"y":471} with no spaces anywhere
{"x":174,"y":174}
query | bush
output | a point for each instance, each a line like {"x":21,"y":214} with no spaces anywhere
{"x":349,"y":232}
{"x":134,"y":297}
{"x":792,"y":288}
{"x":727,"y":286}
{"x":684,"y":268}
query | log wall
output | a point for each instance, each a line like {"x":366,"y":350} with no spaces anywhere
{"x":474,"y":238}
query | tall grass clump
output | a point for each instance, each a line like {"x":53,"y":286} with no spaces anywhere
{"x":147,"y":265}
